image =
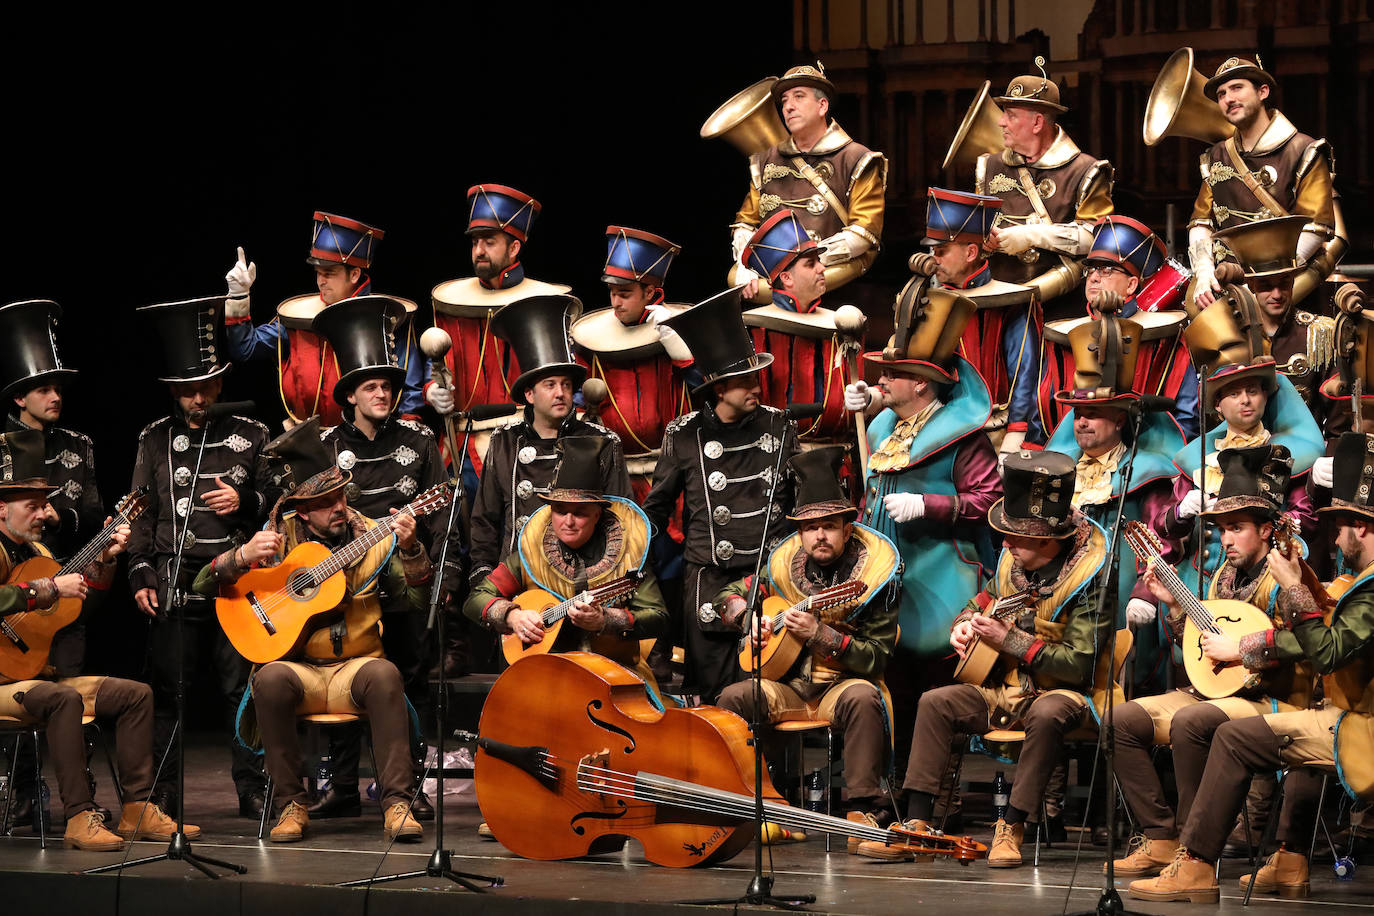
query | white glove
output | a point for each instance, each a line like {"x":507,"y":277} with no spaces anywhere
{"x":1322,"y":471}
{"x":1140,"y":612}
{"x":739,"y":240}
{"x":1201,"y":261}
{"x":1193,"y":503}
{"x":440,"y":397}
{"x":843,"y":246}
{"x":858,"y":396}
{"x":1068,"y":238}
{"x":1011,"y":442}
{"x":673,"y":343}
{"x":903,"y":507}
{"x":1309,"y":244}
{"x":240,"y":279}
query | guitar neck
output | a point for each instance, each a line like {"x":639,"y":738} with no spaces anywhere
{"x":835,"y":595}
{"x":1168,"y":577}
{"x":602,"y":593}
{"x":88,"y":554}
{"x":354,"y":550}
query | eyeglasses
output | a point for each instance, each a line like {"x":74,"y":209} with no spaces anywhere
{"x":1104,"y":271}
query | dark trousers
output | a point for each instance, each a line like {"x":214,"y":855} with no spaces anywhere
{"x":712,"y":651}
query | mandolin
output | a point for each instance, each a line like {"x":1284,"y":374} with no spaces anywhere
{"x":26,"y":637}
{"x":573,"y":758}
{"x":553,"y":611}
{"x":782,"y":648}
{"x":270,"y":613}
{"x":979,"y":657}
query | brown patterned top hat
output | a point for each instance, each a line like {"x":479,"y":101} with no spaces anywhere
{"x":1238,"y":68}
{"x":929,"y":324}
{"x":804,"y":75}
{"x":537,"y":330}
{"x":577,"y":479}
{"x":1226,"y":341}
{"x":1036,"y":91}
{"x":819,"y":494}
{"x":302,"y":465}
{"x":190,"y":331}
{"x":28,"y":348}
{"x":22,"y":464}
{"x":1266,"y":247}
{"x":1253,"y":480}
{"x":720,"y":343}
{"x":1039,"y":500}
{"x":1104,"y":354}
{"x":362,"y":331}
{"x":1352,"y":483}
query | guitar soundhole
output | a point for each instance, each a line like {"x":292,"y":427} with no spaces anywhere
{"x":301,"y":586}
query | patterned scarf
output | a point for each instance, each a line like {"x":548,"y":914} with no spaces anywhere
{"x":895,"y":452}
{"x":1094,"y":484}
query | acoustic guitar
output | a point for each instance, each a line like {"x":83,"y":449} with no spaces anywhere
{"x":782,"y":648}
{"x":270,"y":613}
{"x":26,"y":637}
{"x":552,"y":612}
{"x":979,"y":657}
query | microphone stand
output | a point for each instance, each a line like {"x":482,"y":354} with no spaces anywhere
{"x":179,"y":848}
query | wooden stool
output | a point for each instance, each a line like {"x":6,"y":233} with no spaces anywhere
{"x":319,"y":720}
{"x":12,"y":725}
{"x":801,"y":728}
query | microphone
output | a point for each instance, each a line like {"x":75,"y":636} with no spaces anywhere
{"x":1154,"y":403}
{"x":490,"y":411}
{"x":805,"y":411}
{"x":224,"y":408}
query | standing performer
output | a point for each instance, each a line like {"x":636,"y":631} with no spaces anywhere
{"x":834,"y":185}
{"x":341,"y":254}
{"x":721,"y":461}
{"x":208,"y":514}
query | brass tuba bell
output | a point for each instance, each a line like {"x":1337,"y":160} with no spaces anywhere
{"x":1178,"y":107}
{"x":979,"y":133}
{"x":749,"y":120}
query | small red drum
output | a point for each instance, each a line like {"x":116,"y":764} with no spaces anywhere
{"x":1164,"y":291}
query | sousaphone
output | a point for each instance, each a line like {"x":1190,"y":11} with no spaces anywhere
{"x":1178,"y":107}
{"x":979,"y":133}
{"x":748,"y":120}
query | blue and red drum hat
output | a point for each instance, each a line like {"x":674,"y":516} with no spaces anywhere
{"x":339,"y":240}
{"x":958,"y":216}
{"x":495,"y":206}
{"x":777,"y":243}
{"x":636,"y":256}
{"x":1119,"y":241}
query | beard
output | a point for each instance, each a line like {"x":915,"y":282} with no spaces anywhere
{"x":28,"y":536}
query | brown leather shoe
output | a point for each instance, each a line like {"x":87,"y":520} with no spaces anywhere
{"x":1185,"y":878}
{"x":883,"y":852}
{"x":485,"y":832}
{"x":1144,"y":857}
{"x":87,"y":831}
{"x":1006,"y":845}
{"x":859,"y":817}
{"x":291,"y":824}
{"x":401,"y":825}
{"x":146,"y":821}
{"x":1285,"y":874}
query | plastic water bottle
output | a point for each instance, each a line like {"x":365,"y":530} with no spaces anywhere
{"x":815,"y":791}
{"x":1001,"y":795}
{"x":324,"y":774}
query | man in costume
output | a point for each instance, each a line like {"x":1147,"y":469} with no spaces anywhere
{"x":1049,"y":650}
{"x":205,"y":513}
{"x":838,"y":675}
{"x":341,"y":667}
{"x":60,"y":703}
{"x":341,"y":254}
{"x":834,"y":185}
{"x":722,"y":461}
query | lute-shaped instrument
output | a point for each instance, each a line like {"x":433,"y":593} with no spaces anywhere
{"x":552,"y":612}
{"x":979,"y":657}
{"x":782,"y":648}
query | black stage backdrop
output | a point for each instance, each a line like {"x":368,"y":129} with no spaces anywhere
{"x":143,"y":149}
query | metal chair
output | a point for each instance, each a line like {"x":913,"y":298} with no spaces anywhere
{"x":319,"y":720}
{"x":801,"y":728}
{"x":26,"y":727}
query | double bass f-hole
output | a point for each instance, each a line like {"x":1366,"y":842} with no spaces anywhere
{"x":596,"y":704}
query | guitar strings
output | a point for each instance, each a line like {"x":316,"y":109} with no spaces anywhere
{"x":72,"y":564}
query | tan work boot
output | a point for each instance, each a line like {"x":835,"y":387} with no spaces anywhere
{"x":1185,"y":878}
{"x":146,"y":821}
{"x":1285,"y":872}
{"x":291,"y":824}
{"x":402,"y":825}
{"x":859,"y":817}
{"x":485,"y":832}
{"x":1144,"y":857}
{"x":883,"y":852}
{"x":1006,"y":845}
{"x":87,"y":831}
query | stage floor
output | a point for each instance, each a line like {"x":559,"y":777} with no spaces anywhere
{"x":291,"y":878}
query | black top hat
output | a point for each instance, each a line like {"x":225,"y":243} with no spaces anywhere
{"x":28,"y":348}
{"x":819,"y":494}
{"x":1253,"y":480}
{"x":301,"y":464}
{"x":537,"y":329}
{"x":362,"y":331}
{"x":720,"y":343}
{"x":22,"y":467}
{"x":1352,"y":475}
{"x":190,"y":331}
{"x":1039,"y":500}
{"x":577,"y":479}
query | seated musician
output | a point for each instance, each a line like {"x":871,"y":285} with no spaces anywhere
{"x":1047,"y":658}
{"x":1247,"y":507}
{"x":839,"y":676}
{"x":341,"y":668}
{"x":60,"y":704}
{"x":1339,"y":643}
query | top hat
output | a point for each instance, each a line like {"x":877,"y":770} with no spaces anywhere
{"x":1119,"y":241}
{"x":1266,"y":247}
{"x":1352,"y":475}
{"x":1238,"y":68}
{"x":929,"y":324}
{"x":190,"y":335}
{"x":495,"y":206}
{"x":633,"y":255}
{"x":779,"y":241}
{"x":817,"y":475}
{"x":28,"y":348}
{"x":1105,"y":351}
{"x":536,"y":328}
{"x":1253,"y":480}
{"x":23,"y":467}
{"x":577,"y":479}
{"x":362,"y":331}
{"x":803,"y":75}
{"x":1036,"y":91}
{"x":1039,"y":501}
{"x":301,"y":464}
{"x":959,"y":216}
{"x":339,"y":240}
{"x":721,"y":345}
{"x":1227,"y":344}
